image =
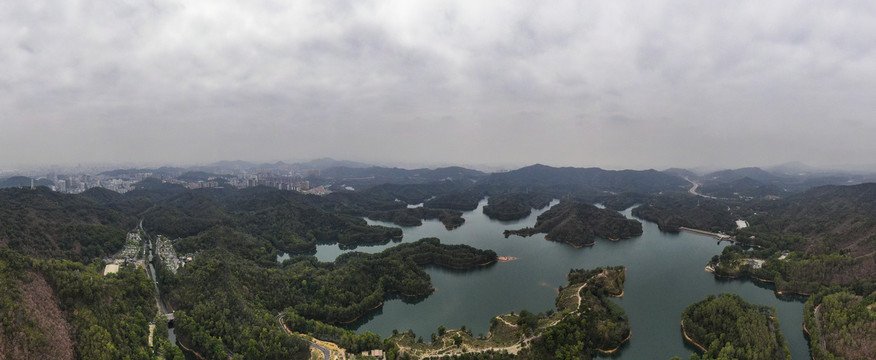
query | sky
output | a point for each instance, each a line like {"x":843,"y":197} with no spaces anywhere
{"x":615,"y":84}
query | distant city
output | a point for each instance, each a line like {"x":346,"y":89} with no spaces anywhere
{"x":291,"y":177}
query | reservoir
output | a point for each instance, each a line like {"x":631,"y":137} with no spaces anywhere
{"x":664,"y":275}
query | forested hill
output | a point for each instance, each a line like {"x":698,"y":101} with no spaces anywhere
{"x":585,"y":180}
{"x":727,"y":327}
{"x":578,"y":224}
{"x":528,"y":186}
{"x":42,"y":223}
{"x":832,"y":218}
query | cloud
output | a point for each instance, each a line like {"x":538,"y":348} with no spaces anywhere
{"x":662,"y":83}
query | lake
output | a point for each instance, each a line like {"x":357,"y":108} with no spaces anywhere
{"x":664,"y":275}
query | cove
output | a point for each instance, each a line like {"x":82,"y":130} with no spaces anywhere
{"x":664,"y":274}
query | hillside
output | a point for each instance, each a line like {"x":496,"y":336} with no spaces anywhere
{"x":584,"y":180}
{"x":674,"y":211}
{"x":57,"y":309}
{"x":841,"y":325}
{"x":43,"y":223}
{"x":831,"y":218}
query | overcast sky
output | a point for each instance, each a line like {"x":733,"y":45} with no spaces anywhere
{"x":644,"y":84}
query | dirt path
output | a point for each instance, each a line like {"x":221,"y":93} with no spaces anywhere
{"x":818,"y":325}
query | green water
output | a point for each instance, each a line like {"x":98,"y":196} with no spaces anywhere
{"x":664,"y":275}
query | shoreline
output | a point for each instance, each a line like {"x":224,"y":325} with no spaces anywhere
{"x":363,"y":314}
{"x":624,"y":341}
{"x":752,"y":278}
{"x":687,"y":337}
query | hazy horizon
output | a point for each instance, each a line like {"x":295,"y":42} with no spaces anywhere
{"x":646,"y":85}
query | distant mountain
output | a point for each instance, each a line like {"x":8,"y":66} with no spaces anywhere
{"x":682,"y":173}
{"x":164,"y":170}
{"x":792,"y":168}
{"x":744,"y":187}
{"x":23,"y":181}
{"x":586,"y":180}
{"x":744,"y":182}
{"x":325,"y":163}
{"x":226,"y":164}
{"x":755,"y":173}
{"x":315,"y":164}
{"x":380,"y":175}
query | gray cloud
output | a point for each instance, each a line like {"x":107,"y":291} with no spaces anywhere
{"x":654,"y":84}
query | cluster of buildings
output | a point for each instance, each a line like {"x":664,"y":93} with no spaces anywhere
{"x":128,"y":255}
{"x":122,"y":181}
{"x":168,"y":255}
{"x":79,"y":183}
{"x":293,"y":183}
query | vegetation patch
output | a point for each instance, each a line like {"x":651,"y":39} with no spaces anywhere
{"x":578,"y":224}
{"x":727,"y":327}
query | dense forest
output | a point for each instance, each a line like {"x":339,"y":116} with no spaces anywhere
{"x":841,"y":324}
{"x":46,"y":224}
{"x":727,"y":327}
{"x":578,"y":224}
{"x":673,"y":211}
{"x":831,"y":218}
{"x":225,"y":302}
{"x":60,"y":309}
{"x":797,"y":272}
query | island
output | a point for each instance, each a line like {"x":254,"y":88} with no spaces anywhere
{"x":578,"y":224}
{"x":451,"y":219}
{"x":727,"y":327}
{"x":509,"y":207}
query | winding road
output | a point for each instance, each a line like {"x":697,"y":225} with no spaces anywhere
{"x":694,"y":187}
{"x":326,"y":353}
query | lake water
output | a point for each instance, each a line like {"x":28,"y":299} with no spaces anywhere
{"x":664,"y":275}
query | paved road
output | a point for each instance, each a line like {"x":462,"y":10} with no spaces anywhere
{"x":693,"y":189}
{"x":326,"y":353}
